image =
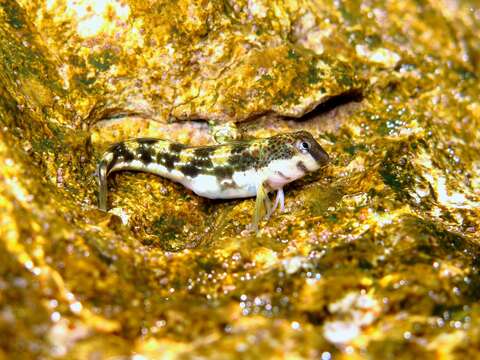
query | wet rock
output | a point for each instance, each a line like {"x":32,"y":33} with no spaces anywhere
{"x":390,"y":90}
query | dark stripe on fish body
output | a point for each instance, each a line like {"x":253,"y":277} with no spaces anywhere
{"x":147,"y":141}
{"x":203,"y":152}
{"x":204,"y":162}
{"x":302,"y":166}
{"x":282,"y":175}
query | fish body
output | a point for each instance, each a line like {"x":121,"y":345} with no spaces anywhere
{"x":238,"y":169}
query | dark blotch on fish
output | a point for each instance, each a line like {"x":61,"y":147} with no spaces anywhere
{"x":302,"y":166}
{"x":145,"y":154}
{"x":176,"y":147}
{"x":189,"y":170}
{"x":202,"y":162}
{"x":120,"y":152}
{"x":238,"y":149}
{"x":168,"y":160}
{"x":223,"y":172}
{"x":242,"y":162}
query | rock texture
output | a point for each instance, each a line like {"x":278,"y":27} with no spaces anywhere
{"x":376,"y":256}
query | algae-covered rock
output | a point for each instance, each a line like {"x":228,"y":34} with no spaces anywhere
{"x":187,"y":60}
{"x":375,"y":256}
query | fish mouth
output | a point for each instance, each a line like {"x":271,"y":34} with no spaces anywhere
{"x":320,"y":155}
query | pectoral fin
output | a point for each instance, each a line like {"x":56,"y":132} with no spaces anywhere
{"x":262,"y":206}
{"x":279,"y":199}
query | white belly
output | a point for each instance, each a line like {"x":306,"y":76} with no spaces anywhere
{"x":243,"y":184}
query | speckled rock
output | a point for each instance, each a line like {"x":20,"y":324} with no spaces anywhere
{"x":376,"y":255}
{"x":186,"y":60}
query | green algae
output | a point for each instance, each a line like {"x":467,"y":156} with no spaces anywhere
{"x":382,"y":244}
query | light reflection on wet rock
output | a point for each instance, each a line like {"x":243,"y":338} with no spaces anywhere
{"x":375,"y":256}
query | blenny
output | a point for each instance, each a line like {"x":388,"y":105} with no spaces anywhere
{"x":237,"y":169}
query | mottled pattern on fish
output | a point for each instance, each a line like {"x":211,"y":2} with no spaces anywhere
{"x":233,"y":170}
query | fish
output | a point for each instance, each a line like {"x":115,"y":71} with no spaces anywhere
{"x":232,"y":170}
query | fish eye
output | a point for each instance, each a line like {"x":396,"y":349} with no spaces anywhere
{"x":303,"y":145}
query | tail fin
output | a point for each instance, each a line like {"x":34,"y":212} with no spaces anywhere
{"x":102,"y":173}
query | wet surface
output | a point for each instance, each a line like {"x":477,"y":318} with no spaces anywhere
{"x":375,"y":256}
